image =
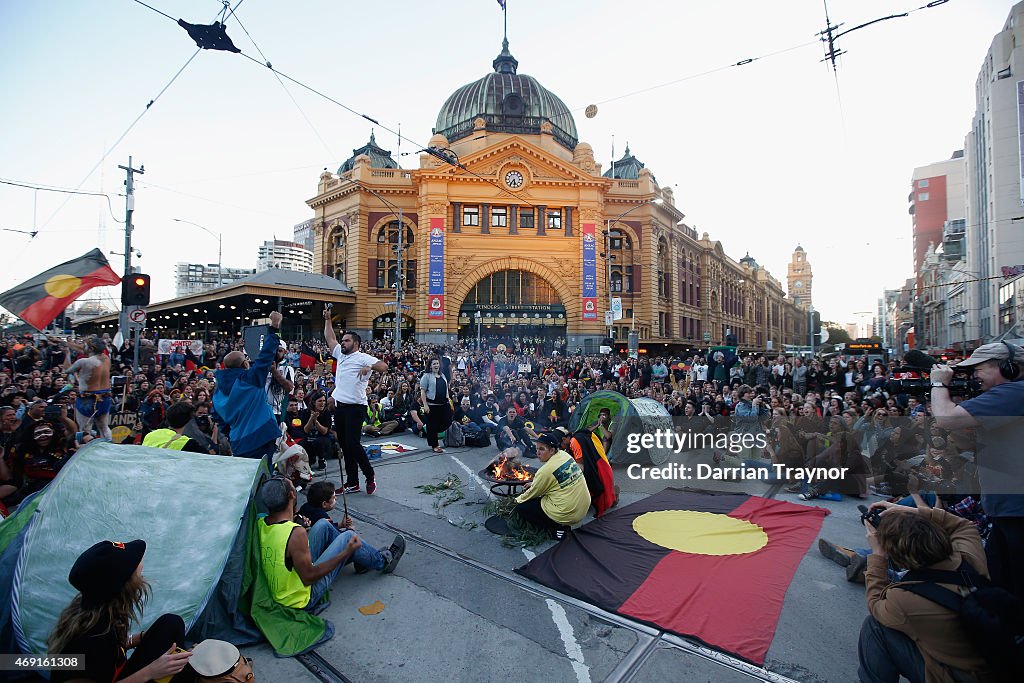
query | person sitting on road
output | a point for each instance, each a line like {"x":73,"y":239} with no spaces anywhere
{"x":375,"y":424}
{"x":299,"y":566}
{"x":111,"y":595}
{"x":557,"y":497}
{"x":173,"y":437}
{"x":514,"y":432}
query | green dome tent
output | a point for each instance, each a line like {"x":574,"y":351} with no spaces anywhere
{"x":196,"y":513}
{"x":636,"y":415}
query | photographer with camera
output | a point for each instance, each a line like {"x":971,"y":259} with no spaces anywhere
{"x":905,"y":632}
{"x":997,"y":369}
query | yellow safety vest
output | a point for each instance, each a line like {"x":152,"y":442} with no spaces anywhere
{"x":165,"y":438}
{"x":285,"y":585}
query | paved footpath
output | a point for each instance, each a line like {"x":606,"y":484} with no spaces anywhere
{"x":454,"y":611}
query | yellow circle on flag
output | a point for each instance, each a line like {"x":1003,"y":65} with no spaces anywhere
{"x":120,"y":434}
{"x":61,"y":286}
{"x":700,"y":533}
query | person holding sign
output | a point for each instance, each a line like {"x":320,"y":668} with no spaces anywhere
{"x":349,"y":396}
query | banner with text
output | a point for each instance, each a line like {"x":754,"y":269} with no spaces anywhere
{"x":435,"y":293}
{"x":168,"y":346}
{"x":589,"y":272}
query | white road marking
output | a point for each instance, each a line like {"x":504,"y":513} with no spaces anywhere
{"x":572,"y":648}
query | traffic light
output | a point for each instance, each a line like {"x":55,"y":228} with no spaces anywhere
{"x":816,"y":323}
{"x":135,"y":290}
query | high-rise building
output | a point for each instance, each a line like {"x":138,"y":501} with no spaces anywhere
{"x":799,"y":278}
{"x":936,"y":198}
{"x":284,"y":255}
{"x":192,"y":278}
{"x":994,"y":240}
{"x":303,"y":234}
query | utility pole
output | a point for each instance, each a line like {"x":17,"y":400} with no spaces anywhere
{"x":129,"y":203}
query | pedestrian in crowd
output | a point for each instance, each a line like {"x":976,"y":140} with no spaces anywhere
{"x":240,"y":401}
{"x":93,"y":373}
{"x":352,"y":375}
{"x":280,"y":382}
{"x":435,"y":401}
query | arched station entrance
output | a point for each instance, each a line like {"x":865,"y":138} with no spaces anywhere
{"x":384,"y":326}
{"x":516,"y":308}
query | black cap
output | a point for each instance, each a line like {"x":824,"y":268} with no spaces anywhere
{"x":550,"y":439}
{"x":101,"y":572}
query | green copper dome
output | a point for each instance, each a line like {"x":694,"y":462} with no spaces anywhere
{"x":508,"y":102}
{"x":379,"y":158}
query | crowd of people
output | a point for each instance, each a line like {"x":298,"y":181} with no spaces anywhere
{"x":58,"y":394}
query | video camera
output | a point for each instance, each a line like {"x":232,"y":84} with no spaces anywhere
{"x":914,"y":377}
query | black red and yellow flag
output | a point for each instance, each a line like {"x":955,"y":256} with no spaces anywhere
{"x":41,"y":299}
{"x":708,"y":565}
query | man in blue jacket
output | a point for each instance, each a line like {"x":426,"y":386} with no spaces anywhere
{"x":240,"y":401}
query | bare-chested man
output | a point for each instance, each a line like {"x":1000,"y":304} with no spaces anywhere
{"x":93,"y":373}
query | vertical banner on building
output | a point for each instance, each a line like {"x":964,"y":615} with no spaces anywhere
{"x":1020,"y":135}
{"x":589,"y":272}
{"x":435,"y":293}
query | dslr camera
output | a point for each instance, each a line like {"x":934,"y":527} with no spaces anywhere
{"x":870,"y":515}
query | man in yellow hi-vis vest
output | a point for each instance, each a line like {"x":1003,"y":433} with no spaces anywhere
{"x":300,"y":566}
{"x":172,"y":438}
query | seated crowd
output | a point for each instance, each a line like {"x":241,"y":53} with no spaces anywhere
{"x":834,"y":413}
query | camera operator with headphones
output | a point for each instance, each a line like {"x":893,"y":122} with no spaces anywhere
{"x":999,"y":413}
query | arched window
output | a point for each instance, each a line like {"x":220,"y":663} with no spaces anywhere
{"x":616,"y":281}
{"x":389,"y":234}
{"x":513,"y":287}
{"x":620,"y":241}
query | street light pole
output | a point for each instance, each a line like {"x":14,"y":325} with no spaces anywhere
{"x":220,"y":246}
{"x":478,"y":317}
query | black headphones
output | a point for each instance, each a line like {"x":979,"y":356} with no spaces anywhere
{"x":1009,"y":368}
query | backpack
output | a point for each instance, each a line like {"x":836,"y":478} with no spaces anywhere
{"x":992,"y":616}
{"x":478,"y":438}
{"x":454,"y":438}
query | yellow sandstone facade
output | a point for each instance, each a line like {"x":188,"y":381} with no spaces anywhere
{"x":510,"y":228}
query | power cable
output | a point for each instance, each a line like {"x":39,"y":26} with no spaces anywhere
{"x":283,"y":86}
{"x":124,"y":134}
{"x":45,"y":188}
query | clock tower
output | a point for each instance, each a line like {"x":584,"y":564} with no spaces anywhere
{"x":799,"y":277}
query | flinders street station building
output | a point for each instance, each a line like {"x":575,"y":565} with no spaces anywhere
{"x":510,"y":227}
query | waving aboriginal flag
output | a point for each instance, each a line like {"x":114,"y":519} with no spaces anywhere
{"x":39,"y":300}
{"x":714,"y":566}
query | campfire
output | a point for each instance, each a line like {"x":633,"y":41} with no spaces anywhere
{"x":505,"y":470}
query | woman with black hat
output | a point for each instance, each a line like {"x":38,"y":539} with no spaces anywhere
{"x":558,"y":496}
{"x":112,"y":594}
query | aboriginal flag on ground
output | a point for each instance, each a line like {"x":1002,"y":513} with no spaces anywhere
{"x":39,"y":300}
{"x":714,"y":566}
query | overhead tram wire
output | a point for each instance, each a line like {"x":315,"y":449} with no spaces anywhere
{"x":123,"y":135}
{"x":45,"y":188}
{"x":283,"y":86}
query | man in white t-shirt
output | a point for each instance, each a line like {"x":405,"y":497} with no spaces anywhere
{"x":349,"y":396}
{"x":700,"y":372}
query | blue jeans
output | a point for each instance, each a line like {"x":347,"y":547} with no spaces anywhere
{"x":325,"y":542}
{"x":885,"y":653}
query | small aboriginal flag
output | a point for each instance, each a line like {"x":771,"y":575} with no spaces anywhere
{"x":709,"y":565}
{"x":308,"y":357}
{"x":41,"y":299}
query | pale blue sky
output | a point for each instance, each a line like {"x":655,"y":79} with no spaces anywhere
{"x":760,"y":155}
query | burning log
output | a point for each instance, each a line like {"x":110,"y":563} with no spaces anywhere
{"x":503,"y":469}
